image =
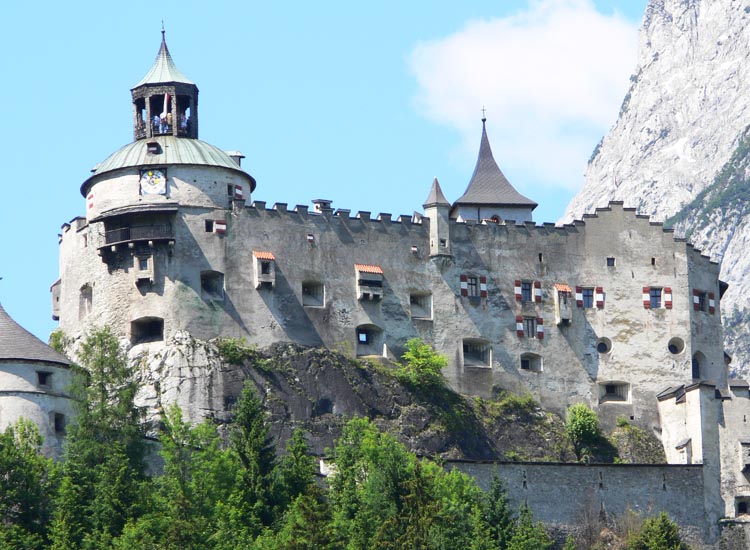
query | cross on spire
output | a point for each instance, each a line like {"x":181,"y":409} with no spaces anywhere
{"x":484,"y":112}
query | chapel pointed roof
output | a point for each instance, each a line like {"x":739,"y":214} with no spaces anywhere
{"x":436,"y":196}
{"x":488,"y":184}
{"x":163,"y":70}
{"x":17,"y":343}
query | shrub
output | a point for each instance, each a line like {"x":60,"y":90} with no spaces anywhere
{"x":234,"y":350}
{"x":583,"y":429}
{"x":422,"y":365}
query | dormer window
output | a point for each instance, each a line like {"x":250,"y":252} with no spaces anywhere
{"x":369,"y":282}
{"x":264,"y":267}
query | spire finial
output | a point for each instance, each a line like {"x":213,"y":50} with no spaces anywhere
{"x":484,"y":112}
{"x":162,"y":31}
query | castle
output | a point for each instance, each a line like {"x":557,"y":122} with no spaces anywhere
{"x":612,"y":310}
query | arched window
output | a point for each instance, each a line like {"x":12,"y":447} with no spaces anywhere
{"x":85,"y":301}
{"x":698,"y":363}
{"x":147,"y":329}
{"x":369,"y":340}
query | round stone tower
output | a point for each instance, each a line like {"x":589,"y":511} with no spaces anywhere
{"x":34,"y":379}
{"x":157,"y":210}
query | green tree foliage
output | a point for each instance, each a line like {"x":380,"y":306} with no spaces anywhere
{"x":658,"y":533}
{"x":103,"y":469}
{"x":528,"y":534}
{"x":583,"y":429}
{"x":27,"y":481}
{"x":422,"y":365}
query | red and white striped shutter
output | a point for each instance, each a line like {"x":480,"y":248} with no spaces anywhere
{"x":517,"y":288}
{"x":579,"y":296}
{"x":696,"y":299}
{"x":90,"y":200}
{"x":464,"y":285}
{"x":540,"y":328}
{"x":599,"y":297}
{"x":537,"y":291}
{"x":711,"y":303}
{"x":238,"y":193}
{"x":519,"y":326}
{"x":220,"y":226}
{"x":668,"y":298}
{"x":483,"y":286}
{"x":646,"y":297}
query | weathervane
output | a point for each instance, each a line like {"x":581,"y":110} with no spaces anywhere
{"x":484,"y":111}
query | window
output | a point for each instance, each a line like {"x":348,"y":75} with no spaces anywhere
{"x":529,"y":327}
{"x":443,"y":243}
{"x":143,"y":264}
{"x":604,"y":345}
{"x":209,"y":224}
{"x":147,"y":329}
{"x":614,"y":392}
{"x":477,"y":353}
{"x":610,"y":262}
{"x":313,"y":294}
{"x":264,"y":267}
{"x":676,"y":346}
{"x":531,"y":362}
{"x":43,"y":378}
{"x":59,"y":423}
{"x":696,"y":364}
{"x":420,"y":304}
{"x":473,"y":286}
{"x":369,"y":282}
{"x":212,"y":285}
{"x":702,"y":301}
{"x":653,"y":261}
{"x":588,"y":298}
{"x":369,"y":340}
{"x":526,"y":291}
{"x":655,"y":297}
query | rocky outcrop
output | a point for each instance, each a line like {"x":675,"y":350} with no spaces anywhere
{"x":678,"y":149}
{"x":319,"y":390}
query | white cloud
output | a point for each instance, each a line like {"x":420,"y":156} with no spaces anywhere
{"x":552,"y":78}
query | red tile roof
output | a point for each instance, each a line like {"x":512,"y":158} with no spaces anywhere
{"x":366,"y":268}
{"x":263,"y":255}
{"x":562,"y":287}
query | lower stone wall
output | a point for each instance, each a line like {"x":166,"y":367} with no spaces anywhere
{"x":564,"y":495}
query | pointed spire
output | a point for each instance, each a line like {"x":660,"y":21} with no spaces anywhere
{"x":488,"y":184}
{"x":436,"y":197}
{"x":163,"y":70}
{"x":17,"y":343}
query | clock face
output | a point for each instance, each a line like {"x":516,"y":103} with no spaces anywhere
{"x":153,"y":182}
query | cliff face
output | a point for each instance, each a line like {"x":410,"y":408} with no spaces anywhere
{"x":678,"y":150}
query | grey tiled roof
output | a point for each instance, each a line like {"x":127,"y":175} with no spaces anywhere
{"x":18,"y":343}
{"x":488,"y":184}
{"x":163,"y":70}
{"x":436,"y":195}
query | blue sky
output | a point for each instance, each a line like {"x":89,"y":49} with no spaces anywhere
{"x":361,"y":103}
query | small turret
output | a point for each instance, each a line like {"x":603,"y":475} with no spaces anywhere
{"x":437,"y":209}
{"x":165,"y":101}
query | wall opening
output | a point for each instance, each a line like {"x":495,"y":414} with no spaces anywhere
{"x":147,"y":329}
{"x":477,"y":353}
{"x":85,"y":301}
{"x":420,"y":304}
{"x":43,"y":378}
{"x":614,"y":392}
{"x":741,"y":505}
{"x":697,"y":365}
{"x":604,"y":345}
{"x":313,"y":294}
{"x":369,"y":340}
{"x":676,"y":346}
{"x":59,"y":423}
{"x":212,"y":285}
{"x":531,"y":362}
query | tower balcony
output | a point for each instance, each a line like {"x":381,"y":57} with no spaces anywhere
{"x":134,"y":234}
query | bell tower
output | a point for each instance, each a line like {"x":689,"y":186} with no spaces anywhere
{"x":165,"y":101}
